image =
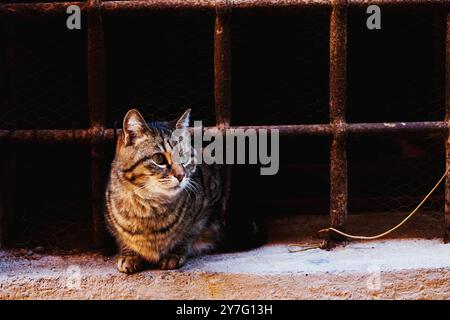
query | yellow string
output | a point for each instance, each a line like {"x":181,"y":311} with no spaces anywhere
{"x":350,"y":236}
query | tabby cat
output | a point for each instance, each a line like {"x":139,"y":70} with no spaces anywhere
{"x":159,"y":210}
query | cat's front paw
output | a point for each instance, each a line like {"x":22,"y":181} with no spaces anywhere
{"x":172,"y":261}
{"x":130,"y":264}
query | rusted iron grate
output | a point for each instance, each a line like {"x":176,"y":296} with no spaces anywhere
{"x":337,"y":127}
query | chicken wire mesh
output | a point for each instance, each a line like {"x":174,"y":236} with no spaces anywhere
{"x":161,"y":64}
{"x":396,"y":73}
{"x":51,"y":206}
{"x":301,"y":185}
{"x":394,"y":175}
{"x":45,"y":74}
{"x":280,"y":67}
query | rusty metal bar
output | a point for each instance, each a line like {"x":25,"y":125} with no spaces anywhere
{"x":112,"y":7}
{"x":222,"y":86}
{"x":140,"y":6}
{"x":81,"y":136}
{"x":222,"y":65}
{"x":262,"y":4}
{"x":338,"y":153}
{"x":85,"y":136}
{"x":287,"y":130}
{"x":447,"y":121}
{"x":439,"y":31}
{"x":37,"y":9}
{"x":396,"y":127}
{"x":96,"y":103}
{"x":366,"y":3}
{"x":4,"y":212}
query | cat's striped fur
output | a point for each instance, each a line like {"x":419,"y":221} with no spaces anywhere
{"x":160,"y":212}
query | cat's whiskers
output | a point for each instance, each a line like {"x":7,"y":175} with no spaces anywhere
{"x":195,"y":184}
{"x":192,"y":186}
{"x":188,"y":190}
{"x":141,"y":187}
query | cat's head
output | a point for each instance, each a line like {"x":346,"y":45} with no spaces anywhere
{"x":151,"y":156}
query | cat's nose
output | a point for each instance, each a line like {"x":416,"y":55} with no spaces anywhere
{"x":179,"y":176}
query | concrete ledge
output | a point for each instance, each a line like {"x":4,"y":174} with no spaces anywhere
{"x":409,"y":269}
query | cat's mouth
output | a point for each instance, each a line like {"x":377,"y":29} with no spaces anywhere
{"x":179,"y":185}
{"x":171,"y":184}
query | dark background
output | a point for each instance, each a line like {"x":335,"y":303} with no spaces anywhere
{"x":162,"y":63}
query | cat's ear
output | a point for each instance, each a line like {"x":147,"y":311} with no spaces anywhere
{"x":183,"y":121}
{"x":134,"y":127}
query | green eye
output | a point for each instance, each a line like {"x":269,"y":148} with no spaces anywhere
{"x":159,"y":159}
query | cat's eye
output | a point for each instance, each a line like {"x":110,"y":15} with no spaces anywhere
{"x":159,"y":159}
